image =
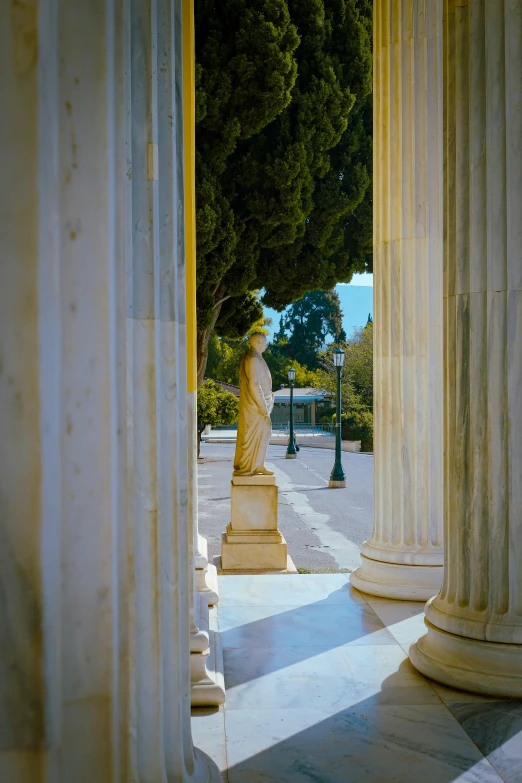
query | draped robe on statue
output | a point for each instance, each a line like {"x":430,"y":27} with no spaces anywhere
{"x":255,"y":404}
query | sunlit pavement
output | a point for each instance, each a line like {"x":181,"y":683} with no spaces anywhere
{"x":323,"y":527}
{"x":319,"y":688}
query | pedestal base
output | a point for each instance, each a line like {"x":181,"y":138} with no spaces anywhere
{"x":339,"y":484}
{"x":291,"y":456}
{"x":254,"y":557}
{"x":402,"y":582}
{"x":491,"y":668}
{"x":252,"y":543}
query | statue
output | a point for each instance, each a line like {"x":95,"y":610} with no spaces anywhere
{"x":255,"y":406}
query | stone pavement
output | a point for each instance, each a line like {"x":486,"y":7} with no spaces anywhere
{"x":323,"y":527}
{"x":320,"y":688}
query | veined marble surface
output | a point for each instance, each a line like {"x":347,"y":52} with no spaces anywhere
{"x":320,"y":688}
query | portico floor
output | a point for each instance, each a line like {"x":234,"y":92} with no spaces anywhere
{"x":319,"y":688}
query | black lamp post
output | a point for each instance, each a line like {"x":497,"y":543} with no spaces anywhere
{"x":291,"y":452}
{"x":337,"y":478}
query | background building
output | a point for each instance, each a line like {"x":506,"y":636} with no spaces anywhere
{"x":309,"y":406}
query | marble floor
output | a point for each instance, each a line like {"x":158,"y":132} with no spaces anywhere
{"x":320,"y":688}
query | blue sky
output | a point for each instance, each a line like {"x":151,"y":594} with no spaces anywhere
{"x":356,"y":302}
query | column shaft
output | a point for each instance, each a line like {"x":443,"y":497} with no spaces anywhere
{"x":206,"y":658}
{"x":474,"y":637}
{"x":22,"y":699}
{"x":403,"y":558}
{"x":96,"y":564}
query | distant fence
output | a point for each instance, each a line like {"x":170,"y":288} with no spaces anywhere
{"x":304,"y":429}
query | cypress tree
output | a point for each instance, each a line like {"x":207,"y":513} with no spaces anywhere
{"x":283,"y":154}
{"x":306,"y":325}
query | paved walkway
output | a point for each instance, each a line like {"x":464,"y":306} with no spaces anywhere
{"x":324,"y":527}
{"x":319,"y":688}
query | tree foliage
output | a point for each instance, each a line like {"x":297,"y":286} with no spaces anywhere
{"x":215,"y":407}
{"x":356,"y":386}
{"x":357,"y":372}
{"x":279,"y":365}
{"x":283,"y":154}
{"x":306,"y":325}
{"x":358,"y":425}
{"x":225,"y":354}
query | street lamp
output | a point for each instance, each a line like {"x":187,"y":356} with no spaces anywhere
{"x":291,"y":452}
{"x":337,"y":477}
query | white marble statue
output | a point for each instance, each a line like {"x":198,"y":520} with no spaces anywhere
{"x":255,"y":406}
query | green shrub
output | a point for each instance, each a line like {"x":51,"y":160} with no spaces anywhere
{"x":358,"y":425}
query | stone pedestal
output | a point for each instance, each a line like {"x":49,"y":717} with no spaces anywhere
{"x":252,"y":542}
{"x":474,"y":637}
{"x":403,"y":558}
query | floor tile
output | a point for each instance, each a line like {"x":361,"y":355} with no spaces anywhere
{"x":404,"y":619}
{"x":208,"y":733}
{"x":320,"y":688}
{"x":413,"y":744}
{"x":287,"y":590}
{"x":288,"y":677}
{"x":314,"y":625}
{"x":383,"y":674}
{"x":451,"y":696}
{"x":342,"y":677}
{"x":496,"y":728}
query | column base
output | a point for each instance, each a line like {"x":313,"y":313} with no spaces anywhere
{"x":206,"y":574}
{"x":207,"y":584}
{"x":490,"y":668}
{"x":398,"y":581}
{"x":205,"y":769}
{"x":207,"y":675}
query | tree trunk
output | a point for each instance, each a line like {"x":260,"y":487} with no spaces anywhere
{"x":199,"y":442}
{"x":203,"y":341}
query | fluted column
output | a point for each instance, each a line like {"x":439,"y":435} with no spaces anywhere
{"x":403,"y":558}
{"x":95,"y":572}
{"x":206,"y":573}
{"x":474,"y":637}
{"x":206,"y":658}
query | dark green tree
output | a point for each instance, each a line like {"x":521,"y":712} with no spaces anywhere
{"x":305,"y":327}
{"x":283,"y":162}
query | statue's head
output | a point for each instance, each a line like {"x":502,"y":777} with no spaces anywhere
{"x":258,"y":341}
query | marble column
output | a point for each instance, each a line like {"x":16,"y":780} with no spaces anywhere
{"x":474,"y":637}
{"x":95,"y":572}
{"x":403,"y":558}
{"x":206,"y":573}
{"x":206,"y":657}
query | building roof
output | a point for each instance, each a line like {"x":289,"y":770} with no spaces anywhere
{"x":301,"y":395}
{"x":229,"y":387}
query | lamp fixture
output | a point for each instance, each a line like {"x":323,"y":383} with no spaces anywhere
{"x":338,"y":357}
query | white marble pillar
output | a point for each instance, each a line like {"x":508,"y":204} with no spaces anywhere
{"x":403,"y":558}
{"x":474,"y":637}
{"x":206,"y":657}
{"x":94,"y":563}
